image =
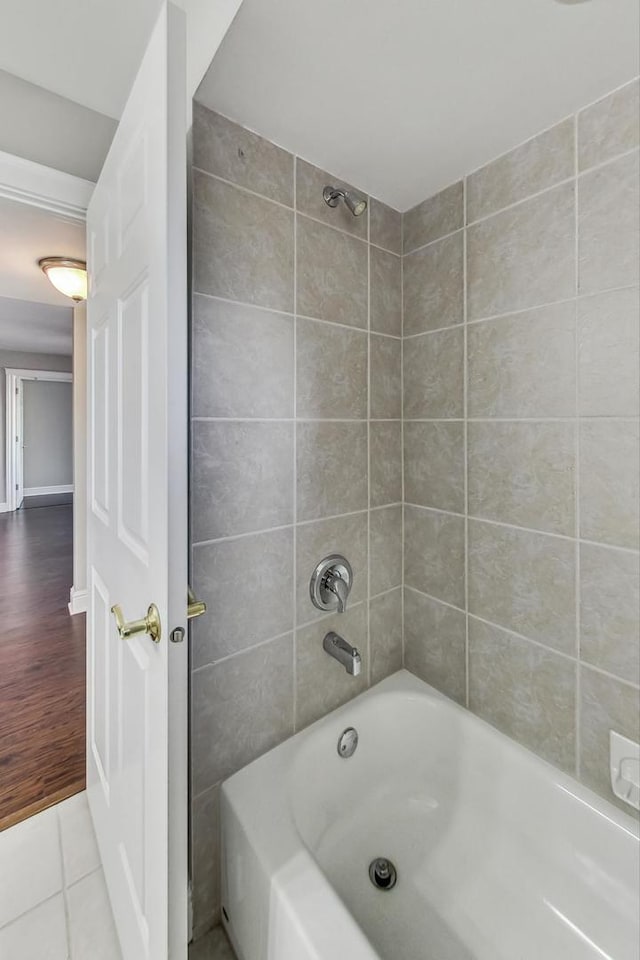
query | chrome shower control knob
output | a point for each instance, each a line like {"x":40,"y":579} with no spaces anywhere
{"x":331,"y":583}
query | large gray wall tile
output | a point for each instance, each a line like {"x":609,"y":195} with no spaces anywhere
{"x":609,"y":610}
{"x":240,"y":708}
{"x":322,"y":683}
{"x":609,"y":127}
{"x":385,"y":463}
{"x":242,"y":245}
{"x":385,"y":634}
{"x":525,"y":582}
{"x":233,"y":153}
{"x":205,"y":857}
{"x":605,"y":704}
{"x":609,"y":482}
{"x":524,"y":256}
{"x":242,"y":477}
{"x":435,"y":644}
{"x":535,"y":165}
{"x":332,"y":469}
{"x":242,"y":362}
{"x":434,"y":465}
{"x":386,"y":292}
{"x":331,"y":371}
{"x":609,"y":354}
{"x":386,"y":378}
{"x":385,"y":226}
{"x":434,"y":375}
{"x":609,"y":226}
{"x":434,"y":554}
{"x":235,"y":579}
{"x":310,"y":182}
{"x":435,"y":217}
{"x":523,"y":365}
{"x":385,"y":527}
{"x":525,"y":691}
{"x":433,"y":286}
{"x":314,"y":541}
{"x":331,"y":274}
{"x":523,"y":473}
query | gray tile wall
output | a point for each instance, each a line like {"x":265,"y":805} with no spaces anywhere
{"x":520,"y":360}
{"x":296,"y":453}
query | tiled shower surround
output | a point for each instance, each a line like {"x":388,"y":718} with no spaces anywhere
{"x":296,"y":454}
{"x":521,"y":463}
{"x":517,"y":378}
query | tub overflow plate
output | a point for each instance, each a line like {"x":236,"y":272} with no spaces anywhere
{"x":382,"y":873}
{"x":347,"y":743}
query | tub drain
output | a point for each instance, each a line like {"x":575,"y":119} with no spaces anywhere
{"x":382,"y":873}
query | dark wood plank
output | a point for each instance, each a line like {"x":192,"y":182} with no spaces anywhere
{"x":42,"y":665}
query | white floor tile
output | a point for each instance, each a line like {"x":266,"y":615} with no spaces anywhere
{"x":91,"y":929}
{"x":79,"y":849}
{"x":30,"y":864}
{"x":40,"y":934}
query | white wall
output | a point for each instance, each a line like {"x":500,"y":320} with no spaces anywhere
{"x":22,"y":361}
{"x":47,"y":425}
{"x":52,"y":130}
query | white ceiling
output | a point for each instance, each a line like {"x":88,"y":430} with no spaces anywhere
{"x":26,"y":235}
{"x":85,"y":50}
{"x":35,"y":327}
{"x":402,"y":97}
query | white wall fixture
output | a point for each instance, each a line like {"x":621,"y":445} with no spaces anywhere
{"x":67,"y":275}
{"x":624,"y":756}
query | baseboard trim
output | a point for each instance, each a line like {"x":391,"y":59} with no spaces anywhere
{"x":78,"y":601}
{"x":47,"y":491}
{"x":4,"y":507}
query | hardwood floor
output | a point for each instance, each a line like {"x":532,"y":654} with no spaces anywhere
{"x":42,"y":664}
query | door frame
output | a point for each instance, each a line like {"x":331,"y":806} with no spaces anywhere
{"x":14,"y":428}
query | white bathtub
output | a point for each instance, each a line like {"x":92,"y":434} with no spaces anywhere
{"x":499,"y":856}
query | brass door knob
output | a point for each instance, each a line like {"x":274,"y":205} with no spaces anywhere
{"x":195,"y":608}
{"x":135,"y":628}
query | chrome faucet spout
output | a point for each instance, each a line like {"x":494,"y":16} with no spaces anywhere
{"x":343,"y":652}
{"x":339,"y":588}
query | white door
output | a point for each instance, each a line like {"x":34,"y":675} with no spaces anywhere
{"x":137,"y":505}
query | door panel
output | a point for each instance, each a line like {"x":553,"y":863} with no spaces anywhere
{"x":137,"y":531}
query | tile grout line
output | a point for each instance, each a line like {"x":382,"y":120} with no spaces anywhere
{"x":565,"y":181}
{"x":302,"y":625}
{"x":402,"y":491}
{"x":465,"y":434}
{"x":521,"y":311}
{"x":521,"y":636}
{"x":577,"y":582}
{"x":513,"y":526}
{"x":369,"y":655}
{"x":67,"y":920}
{"x":294,"y":209}
{"x":294,"y":598}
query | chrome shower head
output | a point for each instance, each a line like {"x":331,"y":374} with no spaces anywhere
{"x":332,"y":195}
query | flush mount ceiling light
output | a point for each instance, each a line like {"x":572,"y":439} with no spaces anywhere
{"x":67,"y":276}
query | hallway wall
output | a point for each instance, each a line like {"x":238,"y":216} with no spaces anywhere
{"x":22,"y":361}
